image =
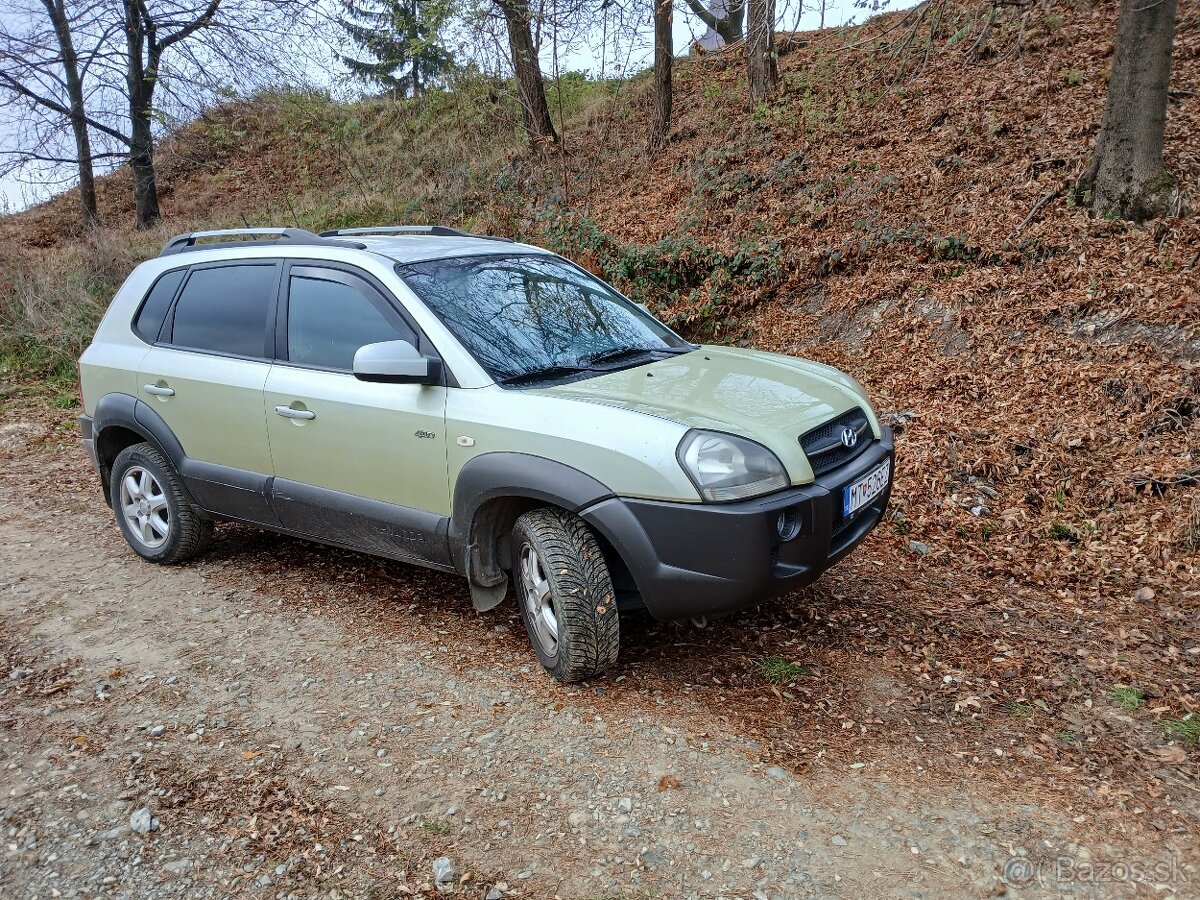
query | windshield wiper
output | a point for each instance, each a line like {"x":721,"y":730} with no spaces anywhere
{"x":544,"y":373}
{"x":622,"y":352}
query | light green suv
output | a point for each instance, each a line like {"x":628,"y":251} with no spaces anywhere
{"x":475,"y":406}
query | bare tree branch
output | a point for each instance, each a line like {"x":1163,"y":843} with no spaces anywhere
{"x":50,"y":104}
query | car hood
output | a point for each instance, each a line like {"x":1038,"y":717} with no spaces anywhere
{"x":766,"y":397}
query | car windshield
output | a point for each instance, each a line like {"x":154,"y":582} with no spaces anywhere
{"x":530,"y":317}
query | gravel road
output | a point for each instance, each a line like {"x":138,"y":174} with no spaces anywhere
{"x":216,"y":730}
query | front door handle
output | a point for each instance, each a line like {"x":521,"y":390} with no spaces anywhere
{"x":288,"y":413}
{"x":159,"y":390}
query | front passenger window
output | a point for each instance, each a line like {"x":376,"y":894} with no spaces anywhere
{"x":327,"y":321}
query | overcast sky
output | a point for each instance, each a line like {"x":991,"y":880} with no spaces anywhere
{"x":18,"y":192}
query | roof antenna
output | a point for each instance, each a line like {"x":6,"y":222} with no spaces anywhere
{"x":292,"y":210}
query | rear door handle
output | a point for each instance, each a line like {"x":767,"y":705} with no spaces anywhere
{"x":288,"y":413}
{"x":158,"y":390}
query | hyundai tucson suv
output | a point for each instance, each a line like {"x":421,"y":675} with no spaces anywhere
{"x":476,"y":406}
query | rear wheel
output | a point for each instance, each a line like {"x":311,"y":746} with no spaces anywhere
{"x":153,"y":511}
{"x":566,"y":595}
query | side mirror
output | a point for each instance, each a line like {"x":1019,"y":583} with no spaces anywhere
{"x":396,"y":362}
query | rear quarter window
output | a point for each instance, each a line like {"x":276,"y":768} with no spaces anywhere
{"x":224,"y":309}
{"x":149,"y":319}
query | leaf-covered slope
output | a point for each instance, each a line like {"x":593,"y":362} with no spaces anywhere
{"x":922,"y":232}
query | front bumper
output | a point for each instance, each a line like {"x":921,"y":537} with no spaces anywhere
{"x":690,"y":559}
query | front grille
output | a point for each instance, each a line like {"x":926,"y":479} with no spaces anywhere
{"x":824,"y":447}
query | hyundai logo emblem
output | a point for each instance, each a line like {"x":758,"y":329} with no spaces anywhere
{"x":849,"y":436}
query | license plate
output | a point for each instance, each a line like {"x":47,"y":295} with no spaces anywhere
{"x":866,"y":489}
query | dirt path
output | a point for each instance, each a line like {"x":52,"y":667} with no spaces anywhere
{"x":291,"y":745}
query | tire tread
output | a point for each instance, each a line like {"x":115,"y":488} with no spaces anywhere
{"x":194,"y":532}
{"x":589,"y":626}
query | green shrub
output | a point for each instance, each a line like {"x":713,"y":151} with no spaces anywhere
{"x":777,"y":670}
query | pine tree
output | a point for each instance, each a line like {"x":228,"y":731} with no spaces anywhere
{"x":401,"y":38}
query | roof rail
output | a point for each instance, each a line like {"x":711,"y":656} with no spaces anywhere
{"x":184,"y":242}
{"x":432,"y":230}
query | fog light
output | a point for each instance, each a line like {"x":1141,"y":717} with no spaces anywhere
{"x":788,"y":525}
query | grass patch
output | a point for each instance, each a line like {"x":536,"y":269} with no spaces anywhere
{"x":1185,"y":730}
{"x":1061,"y":531}
{"x":1021,"y":710}
{"x":1127,"y":697}
{"x":777,"y":670}
{"x":435,"y":827}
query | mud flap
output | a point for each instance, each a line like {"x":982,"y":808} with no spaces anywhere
{"x":485,"y":596}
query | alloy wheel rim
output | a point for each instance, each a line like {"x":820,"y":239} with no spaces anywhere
{"x":144,"y":508}
{"x":539,"y":600}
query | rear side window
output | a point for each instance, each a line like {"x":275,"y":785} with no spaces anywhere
{"x":154,"y":308}
{"x":328,"y":320}
{"x":224,"y":309}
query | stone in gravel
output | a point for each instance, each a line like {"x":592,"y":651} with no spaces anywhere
{"x":158,"y":731}
{"x":171,"y":679}
{"x":625,"y":804}
{"x":494,"y":894}
{"x":839,"y":841}
{"x":141,"y":821}
{"x":177,"y":866}
{"x":443,"y":870}
{"x":776,"y":772}
{"x":652,"y":859}
{"x":579,"y":817}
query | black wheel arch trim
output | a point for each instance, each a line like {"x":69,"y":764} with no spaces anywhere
{"x":504,"y":475}
{"x":127,"y":412}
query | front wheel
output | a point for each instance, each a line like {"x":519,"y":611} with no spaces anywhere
{"x":566,"y":595}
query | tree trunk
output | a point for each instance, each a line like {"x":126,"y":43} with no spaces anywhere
{"x":78,"y":117}
{"x":730,"y":28}
{"x":140,"y":76}
{"x":664,"y":55}
{"x":761,"y":69}
{"x":141,"y":160}
{"x":534,"y":108}
{"x":1126,"y":175}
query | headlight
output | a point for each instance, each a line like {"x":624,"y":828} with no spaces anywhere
{"x":725,"y":467}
